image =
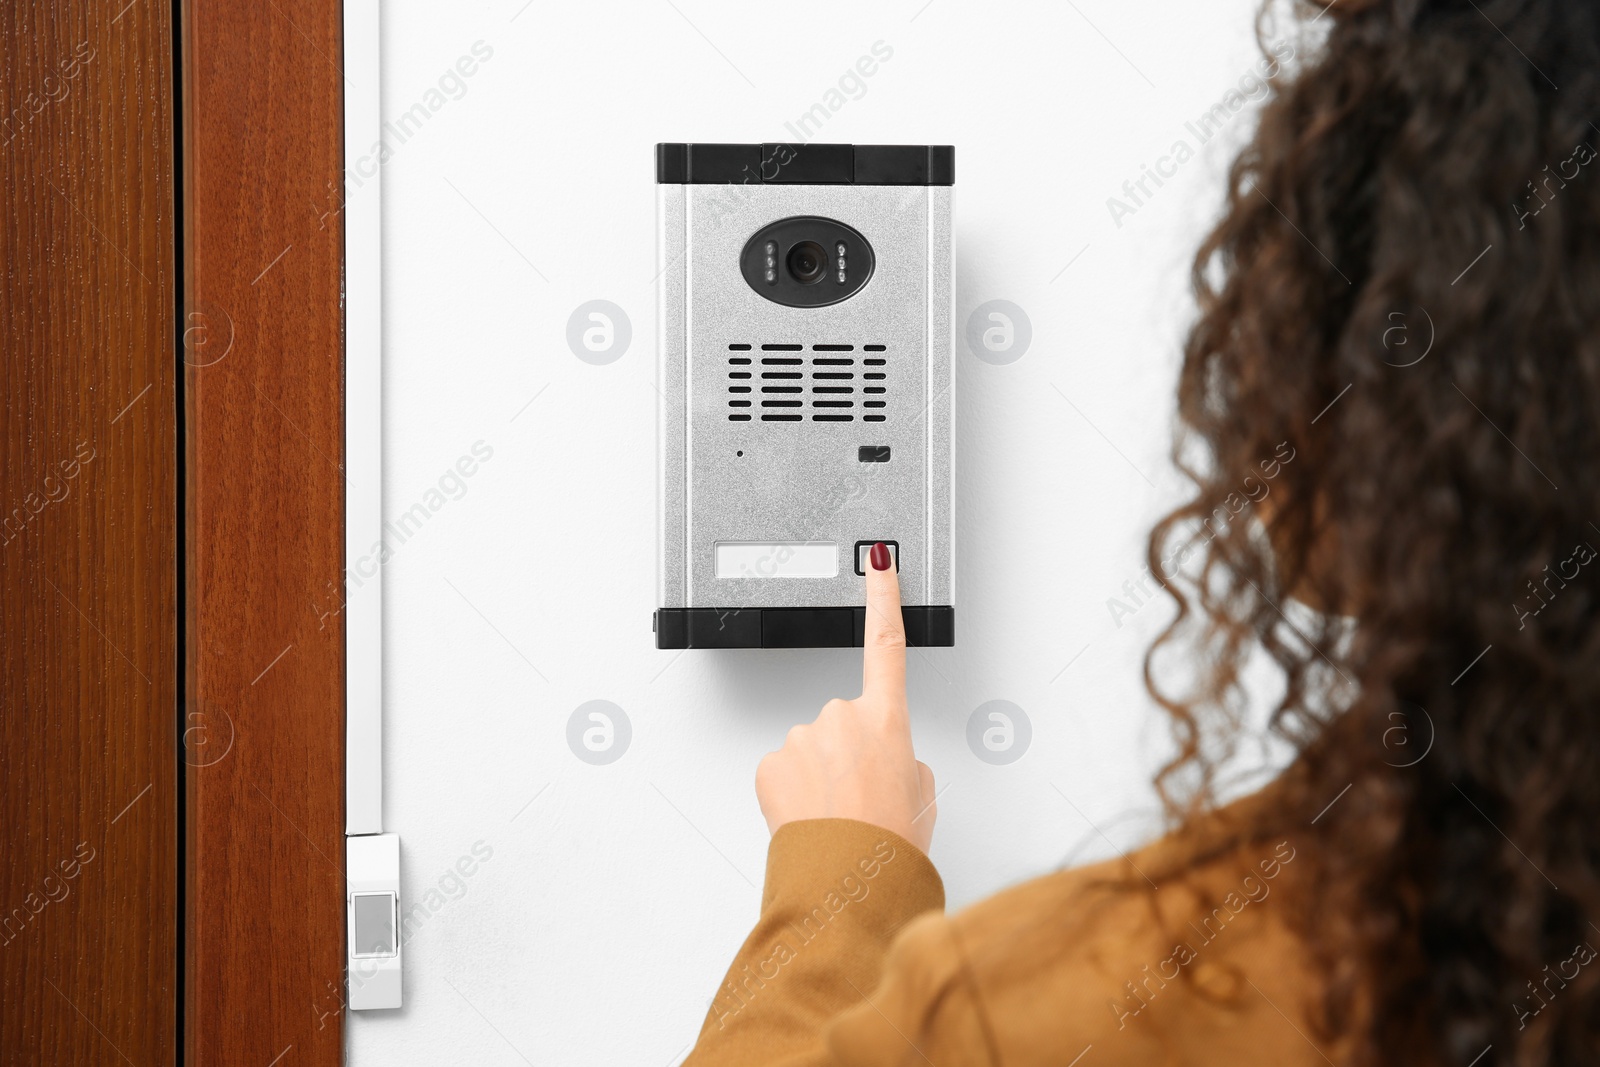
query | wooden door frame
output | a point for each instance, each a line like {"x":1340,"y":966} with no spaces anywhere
{"x":89,"y":592}
{"x":172,"y":700}
{"x":262,"y":267}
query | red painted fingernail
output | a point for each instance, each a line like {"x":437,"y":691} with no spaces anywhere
{"x":880,"y":557}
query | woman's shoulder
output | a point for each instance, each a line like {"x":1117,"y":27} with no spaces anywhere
{"x":1180,"y":952}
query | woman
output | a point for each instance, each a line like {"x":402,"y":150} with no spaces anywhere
{"x":1404,"y":294}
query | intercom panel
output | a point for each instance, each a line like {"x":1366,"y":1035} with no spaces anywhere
{"x":805,"y":345}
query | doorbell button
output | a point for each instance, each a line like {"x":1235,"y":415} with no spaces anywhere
{"x":864,"y":550}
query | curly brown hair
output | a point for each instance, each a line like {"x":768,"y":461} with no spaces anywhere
{"x":1405,"y":289}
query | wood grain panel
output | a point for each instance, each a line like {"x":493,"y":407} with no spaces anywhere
{"x":263,"y":249}
{"x":88,"y":566}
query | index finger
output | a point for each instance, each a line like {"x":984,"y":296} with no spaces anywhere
{"x":883,"y":638}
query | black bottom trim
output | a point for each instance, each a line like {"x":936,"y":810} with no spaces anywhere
{"x":926,"y":627}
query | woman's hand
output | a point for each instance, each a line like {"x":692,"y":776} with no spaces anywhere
{"x":855,"y":761}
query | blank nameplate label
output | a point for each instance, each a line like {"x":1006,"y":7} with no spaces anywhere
{"x":777,"y":559}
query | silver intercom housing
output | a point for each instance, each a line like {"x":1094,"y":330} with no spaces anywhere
{"x":794,"y":436}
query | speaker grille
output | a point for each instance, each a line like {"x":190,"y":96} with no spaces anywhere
{"x":784,"y":382}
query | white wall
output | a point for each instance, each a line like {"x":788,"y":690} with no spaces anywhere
{"x":614,"y":895}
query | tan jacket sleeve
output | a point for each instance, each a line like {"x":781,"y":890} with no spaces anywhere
{"x":851,"y":961}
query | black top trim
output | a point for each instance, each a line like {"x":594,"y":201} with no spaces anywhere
{"x":679,"y":163}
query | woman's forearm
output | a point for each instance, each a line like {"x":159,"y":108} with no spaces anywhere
{"x":837,"y":893}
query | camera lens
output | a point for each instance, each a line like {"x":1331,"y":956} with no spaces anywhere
{"x":808,"y":262}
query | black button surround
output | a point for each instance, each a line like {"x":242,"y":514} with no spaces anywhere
{"x":894,"y":547}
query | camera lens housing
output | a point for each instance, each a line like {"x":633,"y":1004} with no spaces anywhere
{"x":807,"y":261}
